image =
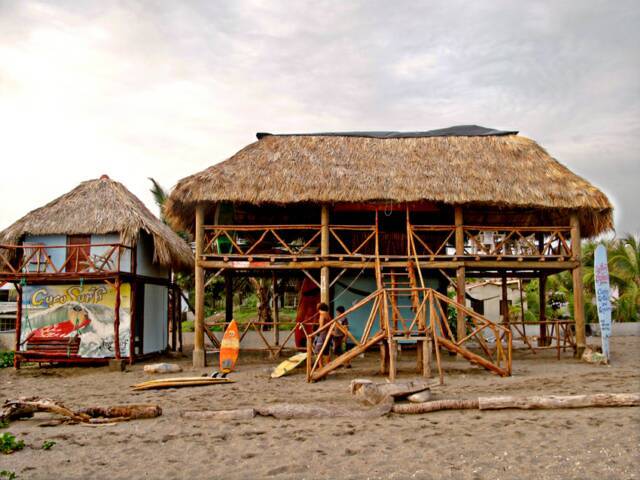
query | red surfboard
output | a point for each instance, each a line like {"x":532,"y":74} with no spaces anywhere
{"x":58,"y":330}
{"x":229,"y":348}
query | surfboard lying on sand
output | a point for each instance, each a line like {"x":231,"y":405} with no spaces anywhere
{"x":288,"y":365}
{"x":229,"y":348}
{"x":179,"y":382}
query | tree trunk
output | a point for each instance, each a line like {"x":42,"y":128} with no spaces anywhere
{"x":261,"y":286}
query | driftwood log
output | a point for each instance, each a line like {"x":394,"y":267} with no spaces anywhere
{"x":237,"y":414}
{"x":367,"y":392}
{"x":26,"y":407}
{"x":526,"y":403}
{"x":434,"y":406}
{"x":290,"y":410}
{"x":557,"y":401}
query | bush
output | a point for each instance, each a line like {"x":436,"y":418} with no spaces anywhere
{"x":9,"y":444}
{"x":6,"y":359}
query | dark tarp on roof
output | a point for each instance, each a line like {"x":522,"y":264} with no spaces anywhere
{"x":456,"y":131}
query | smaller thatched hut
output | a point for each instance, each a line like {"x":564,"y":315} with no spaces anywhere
{"x":93,"y":269}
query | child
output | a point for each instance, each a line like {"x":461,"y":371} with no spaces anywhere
{"x":339,"y":336}
{"x":323,"y":319}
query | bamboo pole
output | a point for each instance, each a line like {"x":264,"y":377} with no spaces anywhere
{"x":228,"y":298}
{"x":198,"y":346}
{"x":505,"y":301}
{"x":116,"y":321}
{"x":324,"y":252}
{"x":276,"y":309}
{"x":578,"y":299}
{"x":461,"y":328}
{"x":432,"y":318}
{"x":542,"y":316}
{"x":16,"y":361}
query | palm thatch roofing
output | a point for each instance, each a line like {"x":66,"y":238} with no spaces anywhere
{"x":457,"y":166}
{"x":103,"y":206}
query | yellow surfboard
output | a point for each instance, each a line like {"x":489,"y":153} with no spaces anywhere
{"x":229,"y":348}
{"x":288,"y":365}
{"x":179,"y":382}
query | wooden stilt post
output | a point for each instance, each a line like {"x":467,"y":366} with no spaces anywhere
{"x":16,"y":361}
{"x":116,"y":321}
{"x":228,"y":298}
{"x":393,"y":356}
{"x":504,"y":303}
{"x":276,"y":309}
{"x":132,"y":323}
{"x":324,"y":252}
{"x":198,"y":341}
{"x":505,"y":300}
{"x":384,"y":357}
{"x":542,"y":340}
{"x":578,"y":298}
{"x":172,"y":316}
{"x":461,"y":327}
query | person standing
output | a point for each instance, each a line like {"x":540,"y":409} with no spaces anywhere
{"x":318,"y":342}
{"x":339,"y":337}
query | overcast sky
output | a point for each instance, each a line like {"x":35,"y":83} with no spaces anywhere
{"x":165,"y":89}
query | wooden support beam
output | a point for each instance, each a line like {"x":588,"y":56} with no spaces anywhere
{"x":324,"y":252}
{"x":16,"y":359}
{"x":542,"y":316}
{"x":505,"y":300}
{"x":276,"y":310}
{"x":461,"y":327}
{"x":198,"y":342}
{"x":479,"y":265}
{"x":228,"y":297}
{"x":116,"y":320}
{"x":346,"y":357}
{"x":578,"y":291}
{"x":393,"y":359}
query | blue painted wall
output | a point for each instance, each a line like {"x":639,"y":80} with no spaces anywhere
{"x":145,"y":263}
{"x":57,"y":255}
{"x":111,"y":238}
{"x":359,"y":287}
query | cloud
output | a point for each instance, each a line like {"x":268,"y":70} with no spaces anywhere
{"x":164,"y":89}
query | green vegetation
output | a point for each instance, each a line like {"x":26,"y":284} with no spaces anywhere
{"x":7,"y":474}
{"x":47,"y":444}
{"x":6,"y":359}
{"x":9,"y":444}
{"x":623,"y":256}
{"x":245,"y":313}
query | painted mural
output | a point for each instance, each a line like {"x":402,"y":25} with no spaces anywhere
{"x":75,"y":320}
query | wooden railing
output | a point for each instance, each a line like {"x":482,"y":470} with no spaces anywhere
{"x":554,"y":334}
{"x":41,"y":260}
{"x":356,"y":242}
{"x":486,"y":343}
{"x":286,"y":242}
{"x":537,"y":242}
{"x":433,"y":241}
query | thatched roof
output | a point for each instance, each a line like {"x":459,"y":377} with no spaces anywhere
{"x":501,"y":170}
{"x":103,"y":206}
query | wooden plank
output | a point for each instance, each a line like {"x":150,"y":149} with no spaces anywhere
{"x":472,"y":357}
{"x":347,"y":356}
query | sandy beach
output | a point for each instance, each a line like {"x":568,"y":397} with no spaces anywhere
{"x":581,"y":443}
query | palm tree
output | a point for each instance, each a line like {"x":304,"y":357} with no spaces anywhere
{"x":160,"y":196}
{"x":624,"y":271}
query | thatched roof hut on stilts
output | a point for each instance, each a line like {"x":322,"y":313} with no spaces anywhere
{"x":434,"y":207}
